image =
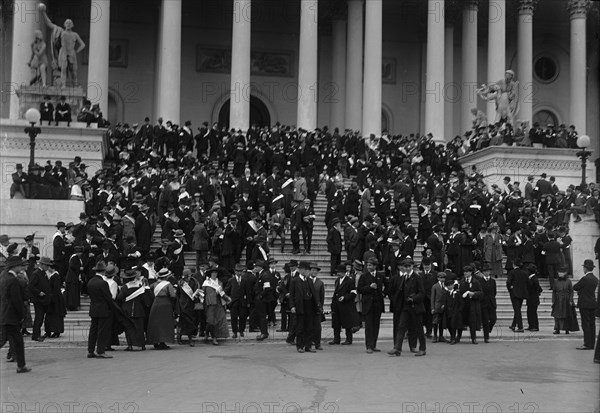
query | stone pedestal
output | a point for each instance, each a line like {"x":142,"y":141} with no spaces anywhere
{"x":53,"y":143}
{"x":517,"y":163}
{"x":32,"y":96}
{"x":21,"y":217}
{"x":496,"y":162}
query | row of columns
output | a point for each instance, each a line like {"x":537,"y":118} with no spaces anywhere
{"x":357,"y":77}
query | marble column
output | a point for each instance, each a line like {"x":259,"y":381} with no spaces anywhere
{"x":371,"y":113}
{"x":354,"y":65}
{"x":26,"y":19}
{"x":496,"y":60}
{"x":451,"y":92}
{"x":338,"y":74}
{"x":578,"y":99}
{"x":308,"y":65}
{"x":239,"y":115}
{"x":469,"y":63}
{"x":434,"y":82}
{"x":525,"y":60}
{"x":169,"y":81}
{"x":97,"y":85}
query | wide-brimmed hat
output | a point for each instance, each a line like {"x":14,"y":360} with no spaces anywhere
{"x":163,"y":273}
{"x":179,"y":233}
{"x":46,"y":261}
{"x":100,"y":266}
{"x":293,"y":263}
{"x":111,"y":270}
{"x":313,"y":265}
{"x":129,"y":275}
{"x":14,"y":261}
{"x":304,"y":264}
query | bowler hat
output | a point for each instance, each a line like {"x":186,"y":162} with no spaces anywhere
{"x":239,"y":267}
{"x":372,"y":261}
{"x":589,"y":264}
{"x":111,"y":270}
{"x":315,"y":266}
{"x":293,"y":263}
{"x":60,"y":224}
{"x":441,"y":275}
{"x":340,"y":268}
{"x":4,"y":238}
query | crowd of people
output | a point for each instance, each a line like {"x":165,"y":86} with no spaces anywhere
{"x":226,"y":193}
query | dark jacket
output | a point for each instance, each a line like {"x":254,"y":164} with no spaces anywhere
{"x":489,"y":293}
{"x":516,"y":283}
{"x":586,"y":287}
{"x":238,"y":291}
{"x":299,"y":290}
{"x":12,"y":310}
{"x":345,"y":309}
{"x":101,"y":302}
{"x":413,"y":294}
{"x":372,"y":298}
{"x":39,"y":282}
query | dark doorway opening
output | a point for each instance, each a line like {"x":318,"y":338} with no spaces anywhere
{"x":259,"y":114}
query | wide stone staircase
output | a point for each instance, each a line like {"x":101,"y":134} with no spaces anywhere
{"x":77,"y":322}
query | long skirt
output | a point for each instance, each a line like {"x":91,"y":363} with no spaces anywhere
{"x":135,"y":335}
{"x":188,"y":323}
{"x":73,"y":295}
{"x":216,"y":320}
{"x":161,"y":324}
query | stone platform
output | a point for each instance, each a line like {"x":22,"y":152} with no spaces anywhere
{"x":517,"y":162}
{"x":53,"y":143}
{"x":32,"y":96}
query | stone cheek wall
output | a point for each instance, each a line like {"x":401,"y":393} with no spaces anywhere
{"x":54,"y":143}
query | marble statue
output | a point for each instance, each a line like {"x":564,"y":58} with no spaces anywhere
{"x":64,"y":46}
{"x":505,"y":93}
{"x":38,"y":61}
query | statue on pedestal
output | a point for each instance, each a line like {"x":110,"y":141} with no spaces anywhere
{"x":39,"y":61}
{"x":505,"y":93}
{"x":64,"y":46}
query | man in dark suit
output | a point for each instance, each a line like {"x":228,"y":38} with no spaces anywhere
{"x":46,"y":110}
{"x":12,"y":310}
{"x":370,"y":285}
{"x":40,"y":292}
{"x":516,"y":284}
{"x":63,"y":111}
{"x":412,"y":309}
{"x":533,"y":298}
{"x":20,"y":182}
{"x":542,"y":187}
{"x":265,"y":296}
{"x":303,"y":303}
{"x":319,"y":289}
{"x":308,"y":217}
{"x":586,"y":302}
{"x":143,"y":231}
{"x":334,"y":243}
{"x":429,"y":280}
{"x":343,"y":307}
{"x":101,"y":313}
{"x":238,"y":289}
{"x":438,"y":308}
{"x":552,"y":251}
{"x":488,"y":302}
{"x":470,"y":290}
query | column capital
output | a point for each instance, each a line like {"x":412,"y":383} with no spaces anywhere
{"x":578,"y":8}
{"x":527,"y":6}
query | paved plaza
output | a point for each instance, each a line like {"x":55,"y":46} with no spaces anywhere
{"x":544,"y":375}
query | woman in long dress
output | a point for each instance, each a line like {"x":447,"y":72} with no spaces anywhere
{"x":215,"y":300}
{"x":492,"y":250}
{"x":562,"y":300}
{"x":161,"y":323}
{"x":73,"y":279}
{"x":54,"y":324}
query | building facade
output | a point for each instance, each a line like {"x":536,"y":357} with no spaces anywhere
{"x":402,"y":65}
